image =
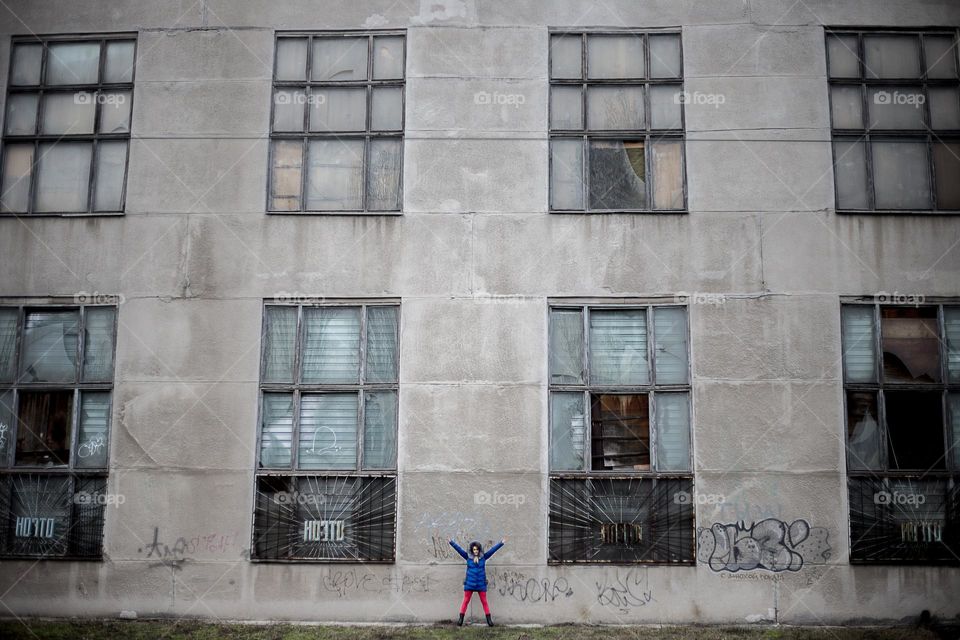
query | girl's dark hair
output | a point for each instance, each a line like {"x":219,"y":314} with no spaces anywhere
{"x":477,"y":545}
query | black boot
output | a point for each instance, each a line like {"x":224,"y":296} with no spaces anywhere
{"x":460,"y":621}
{"x":489,"y":620}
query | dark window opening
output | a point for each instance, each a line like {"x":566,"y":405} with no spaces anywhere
{"x":915,"y":430}
{"x":44,"y":430}
{"x":621,"y":432}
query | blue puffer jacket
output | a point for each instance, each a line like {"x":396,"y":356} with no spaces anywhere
{"x":476,"y":578}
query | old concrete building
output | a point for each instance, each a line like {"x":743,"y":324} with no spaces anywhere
{"x":295,"y":292}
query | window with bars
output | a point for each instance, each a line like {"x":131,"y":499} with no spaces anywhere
{"x":895,"y":114}
{"x":901,"y":369}
{"x":66,"y":129}
{"x":336,"y":134}
{"x":56,"y":384}
{"x":621,"y":480}
{"x":616,"y":122}
{"x":327,"y":445}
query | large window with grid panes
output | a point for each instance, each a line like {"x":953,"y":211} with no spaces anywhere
{"x":327,"y":437}
{"x":901,"y":378}
{"x":621,"y":480}
{"x":56,"y":389}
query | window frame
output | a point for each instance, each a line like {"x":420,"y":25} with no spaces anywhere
{"x":652,"y":475}
{"x":75,"y":475}
{"x":648,"y":134}
{"x":95,"y":138}
{"x":885,"y":474}
{"x":367,"y":135}
{"x":292,"y":473}
{"x":866,"y":134}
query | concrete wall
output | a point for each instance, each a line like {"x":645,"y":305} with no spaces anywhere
{"x":474,"y":258}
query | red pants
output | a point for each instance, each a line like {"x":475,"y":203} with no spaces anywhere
{"x":483,"y":601}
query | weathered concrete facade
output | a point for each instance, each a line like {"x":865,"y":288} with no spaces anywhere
{"x":473,"y":259}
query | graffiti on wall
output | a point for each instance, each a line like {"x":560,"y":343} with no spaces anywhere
{"x":182,"y":549}
{"x":438,"y":528}
{"x":523,"y":588}
{"x":770,"y":544}
{"x":625,"y":591}
{"x":350,"y":581}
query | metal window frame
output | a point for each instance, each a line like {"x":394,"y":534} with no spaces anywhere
{"x":94,"y":138}
{"x":367,"y":135}
{"x":648,"y":135}
{"x":866,"y":134}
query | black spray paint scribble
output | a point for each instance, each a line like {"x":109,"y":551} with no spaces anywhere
{"x":769,"y":544}
{"x":526,"y":589}
{"x":625,"y":591}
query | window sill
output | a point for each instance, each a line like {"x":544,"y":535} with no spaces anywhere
{"x":614,"y":211}
{"x":619,"y":563}
{"x":87,"y":214}
{"x":334,"y":213}
{"x":899,"y":212}
{"x":318,"y":561}
{"x":34,"y":558}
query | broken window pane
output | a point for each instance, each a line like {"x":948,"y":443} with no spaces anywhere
{"x":863,"y":431}
{"x":846,"y":107}
{"x":620,"y":432}
{"x":843,"y":56}
{"x":336,"y":175}
{"x":665,"y":56}
{"x":21,"y":114}
{"x":111,"y":167}
{"x":98,"y":343}
{"x":63,"y":114}
{"x":8,"y":343}
{"x":63,"y":176}
{"x":566,"y":346}
{"x":951,"y":324}
{"x":615,"y":56}
{"x":941,"y":56}
{"x":380,"y":430}
{"x":118,"y":66}
{"x":73,"y":63}
{"x":288,"y":107}
{"x":276,"y":430}
{"x":387,"y":109}
{"x":381,"y":365}
{"x":915,"y":430}
{"x":901,"y":175}
{"x":339,"y":58}
{"x":673,"y":431}
{"x":615,"y":107}
{"x":94,"y":436}
{"x":895,"y":107}
{"x":291,"y":59}
{"x":944,"y":107}
{"x":279,"y":343}
{"x":331,"y":345}
{"x":911,"y":345}
{"x":565,"y":57}
{"x":891,"y":56}
{"x":383,"y":174}
{"x":50,"y":346}
{"x":665,"y":107}
{"x":7,"y":423}
{"x":566,"y":173}
{"x":388,"y":61}
{"x":946,"y":164}
{"x":859,"y":348}
{"x":15,"y":186}
{"x":617,"y":174}
{"x":667,"y":164}
{"x":44,"y":428}
{"x":850,"y":163}
{"x":25,"y":68}
{"x":953,"y":427}
{"x":287,"y":158}
{"x":618,"y":347}
{"x":328,"y":431}
{"x":566,"y":108}
{"x":670,"y":351}
{"x":567,"y":431}
{"x":338,"y":110}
